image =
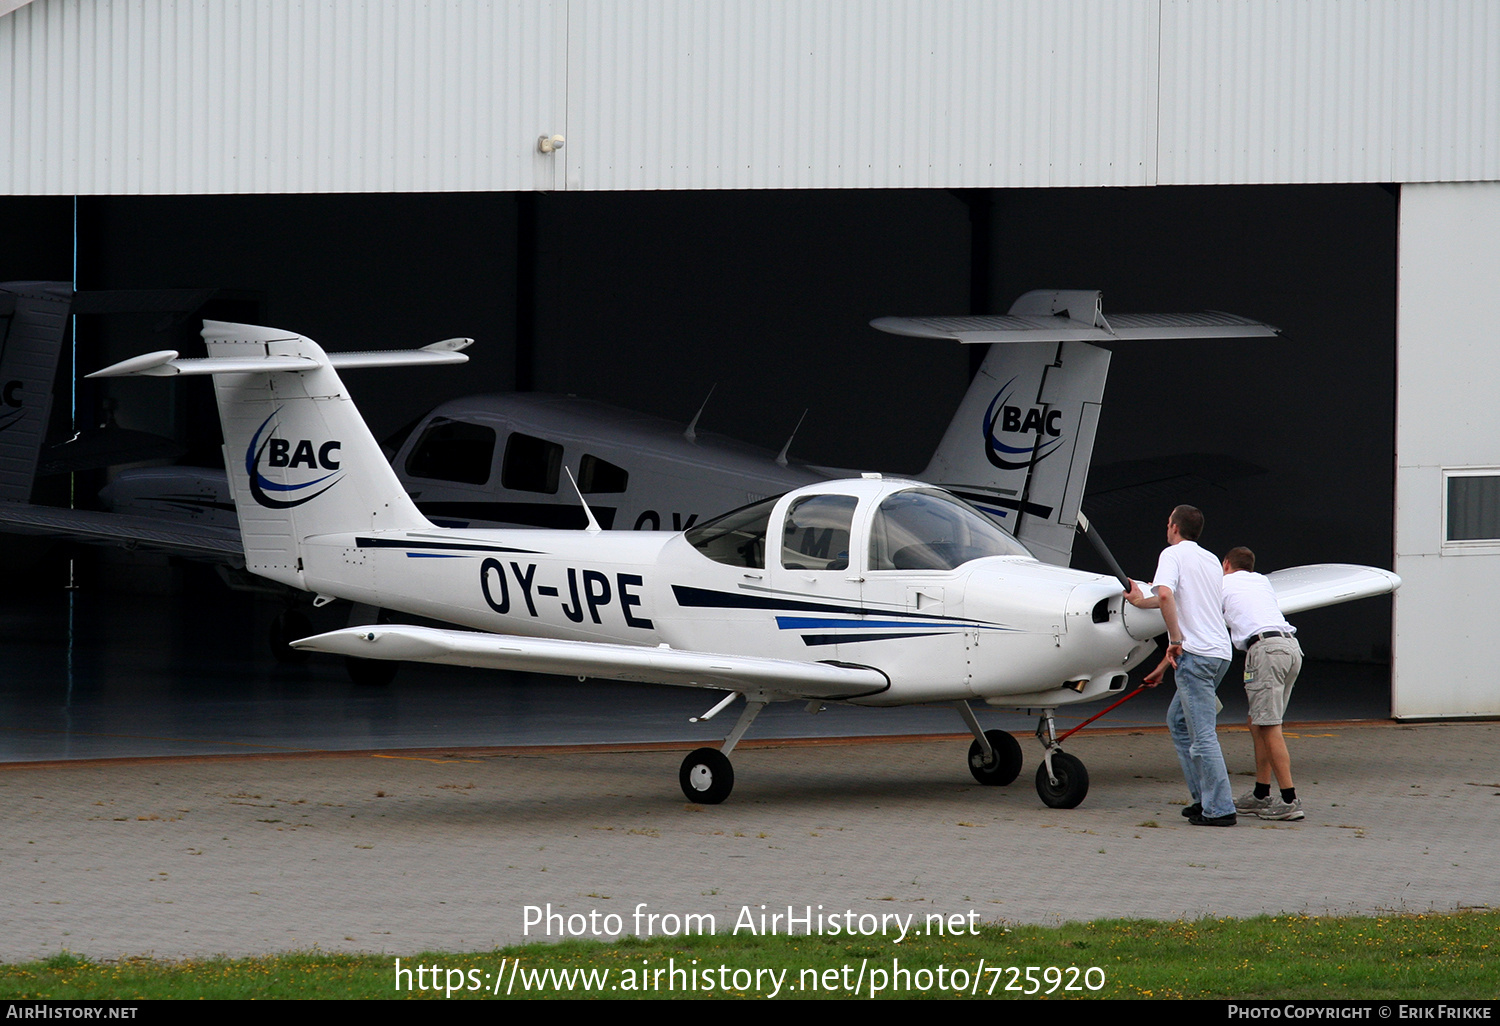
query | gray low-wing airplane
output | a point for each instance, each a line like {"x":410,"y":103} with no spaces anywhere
{"x":868,"y":591}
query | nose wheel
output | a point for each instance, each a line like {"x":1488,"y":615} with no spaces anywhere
{"x":1066,"y":785}
{"x":1062,"y":782}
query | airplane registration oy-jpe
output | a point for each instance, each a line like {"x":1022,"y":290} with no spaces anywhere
{"x":869,"y":591}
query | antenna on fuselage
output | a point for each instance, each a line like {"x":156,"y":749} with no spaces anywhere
{"x":691,"y":434}
{"x":593,"y":527}
{"x":781,"y":456}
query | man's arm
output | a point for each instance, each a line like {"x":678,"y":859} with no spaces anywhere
{"x":1174,"y":631}
{"x":1161,"y":599}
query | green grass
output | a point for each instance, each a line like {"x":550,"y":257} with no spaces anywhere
{"x":1399,"y":956}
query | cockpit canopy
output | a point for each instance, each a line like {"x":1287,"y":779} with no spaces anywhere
{"x":906,"y":529}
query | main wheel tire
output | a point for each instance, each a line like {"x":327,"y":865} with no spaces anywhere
{"x":706,"y":776}
{"x":371,"y":673}
{"x":1072,"y":782}
{"x":290,"y":625}
{"x":1006,"y":765}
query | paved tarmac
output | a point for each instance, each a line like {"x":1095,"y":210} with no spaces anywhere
{"x":411,"y":850}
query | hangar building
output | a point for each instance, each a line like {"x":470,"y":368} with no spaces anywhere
{"x":632,"y":199}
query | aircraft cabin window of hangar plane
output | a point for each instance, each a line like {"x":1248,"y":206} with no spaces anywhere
{"x":737,"y":538}
{"x":531,"y":464}
{"x":452,"y":450}
{"x":816,"y":533}
{"x":597,"y":476}
{"x":922,"y":529}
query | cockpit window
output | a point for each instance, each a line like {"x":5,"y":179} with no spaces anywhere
{"x":737,"y":538}
{"x":816,"y":533}
{"x":924,"y":529}
{"x":452,"y":450}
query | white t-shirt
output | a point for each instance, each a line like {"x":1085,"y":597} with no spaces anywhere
{"x":1196,"y":579}
{"x":1250,"y":607}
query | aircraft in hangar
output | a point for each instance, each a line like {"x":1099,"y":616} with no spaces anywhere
{"x":870,"y":591}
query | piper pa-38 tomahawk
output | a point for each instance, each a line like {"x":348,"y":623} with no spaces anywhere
{"x":870,"y":591}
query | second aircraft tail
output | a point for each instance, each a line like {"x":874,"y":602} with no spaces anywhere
{"x":1022,"y":440}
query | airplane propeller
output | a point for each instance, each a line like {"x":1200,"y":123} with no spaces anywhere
{"x":1087,"y":530}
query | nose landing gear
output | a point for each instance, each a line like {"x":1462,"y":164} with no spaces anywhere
{"x":1062,"y":782}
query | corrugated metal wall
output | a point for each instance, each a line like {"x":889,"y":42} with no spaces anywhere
{"x":677,"y":94}
{"x":1381,"y":91}
{"x":185,"y":96}
{"x":206,"y":96}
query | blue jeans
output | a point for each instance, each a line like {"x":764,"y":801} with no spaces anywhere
{"x":1192,"y":722}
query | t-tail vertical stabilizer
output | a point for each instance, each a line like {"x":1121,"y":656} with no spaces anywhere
{"x":301,"y":460}
{"x":1020,"y":445}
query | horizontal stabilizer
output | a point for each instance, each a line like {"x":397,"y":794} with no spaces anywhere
{"x":1327,"y":584}
{"x":1073,"y":315}
{"x":597,"y":659}
{"x":167,"y":363}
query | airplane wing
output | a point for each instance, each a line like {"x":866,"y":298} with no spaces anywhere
{"x":1328,"y":584}
{"x":598,"y":659}
{"x":197,"y":541}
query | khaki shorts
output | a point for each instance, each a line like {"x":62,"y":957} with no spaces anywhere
{"x":1271,"y":668}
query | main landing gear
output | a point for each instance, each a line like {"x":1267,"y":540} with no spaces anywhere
{"x":995,"y":756}
{"x":706,"y":775}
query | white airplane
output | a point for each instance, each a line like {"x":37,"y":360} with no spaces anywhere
{"x":869,"y":591}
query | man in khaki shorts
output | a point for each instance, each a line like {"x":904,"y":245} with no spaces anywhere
{"x":1272,"y":661}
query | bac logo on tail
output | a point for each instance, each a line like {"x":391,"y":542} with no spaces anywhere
{"x":1016,"y":420}
{"x":285,"y":453}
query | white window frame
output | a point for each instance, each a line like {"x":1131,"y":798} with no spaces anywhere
{"x":1473,"y":546}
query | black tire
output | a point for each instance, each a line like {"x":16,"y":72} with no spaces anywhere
{"x":371,"y":673}
{"x":1007,"y":763}
{"x":1072,"y":782}
{"x":290,"y":625}
{"x":706,"y":776}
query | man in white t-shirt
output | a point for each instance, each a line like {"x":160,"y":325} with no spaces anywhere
{"x":1272,"y":661}
{"x":1188,"y":589}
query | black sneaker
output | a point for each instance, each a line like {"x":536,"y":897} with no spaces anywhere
{"x":1201,"y":820}
{"x":1195,"y":809}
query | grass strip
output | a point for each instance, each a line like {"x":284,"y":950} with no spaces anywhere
{"x":1447,"y":956}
